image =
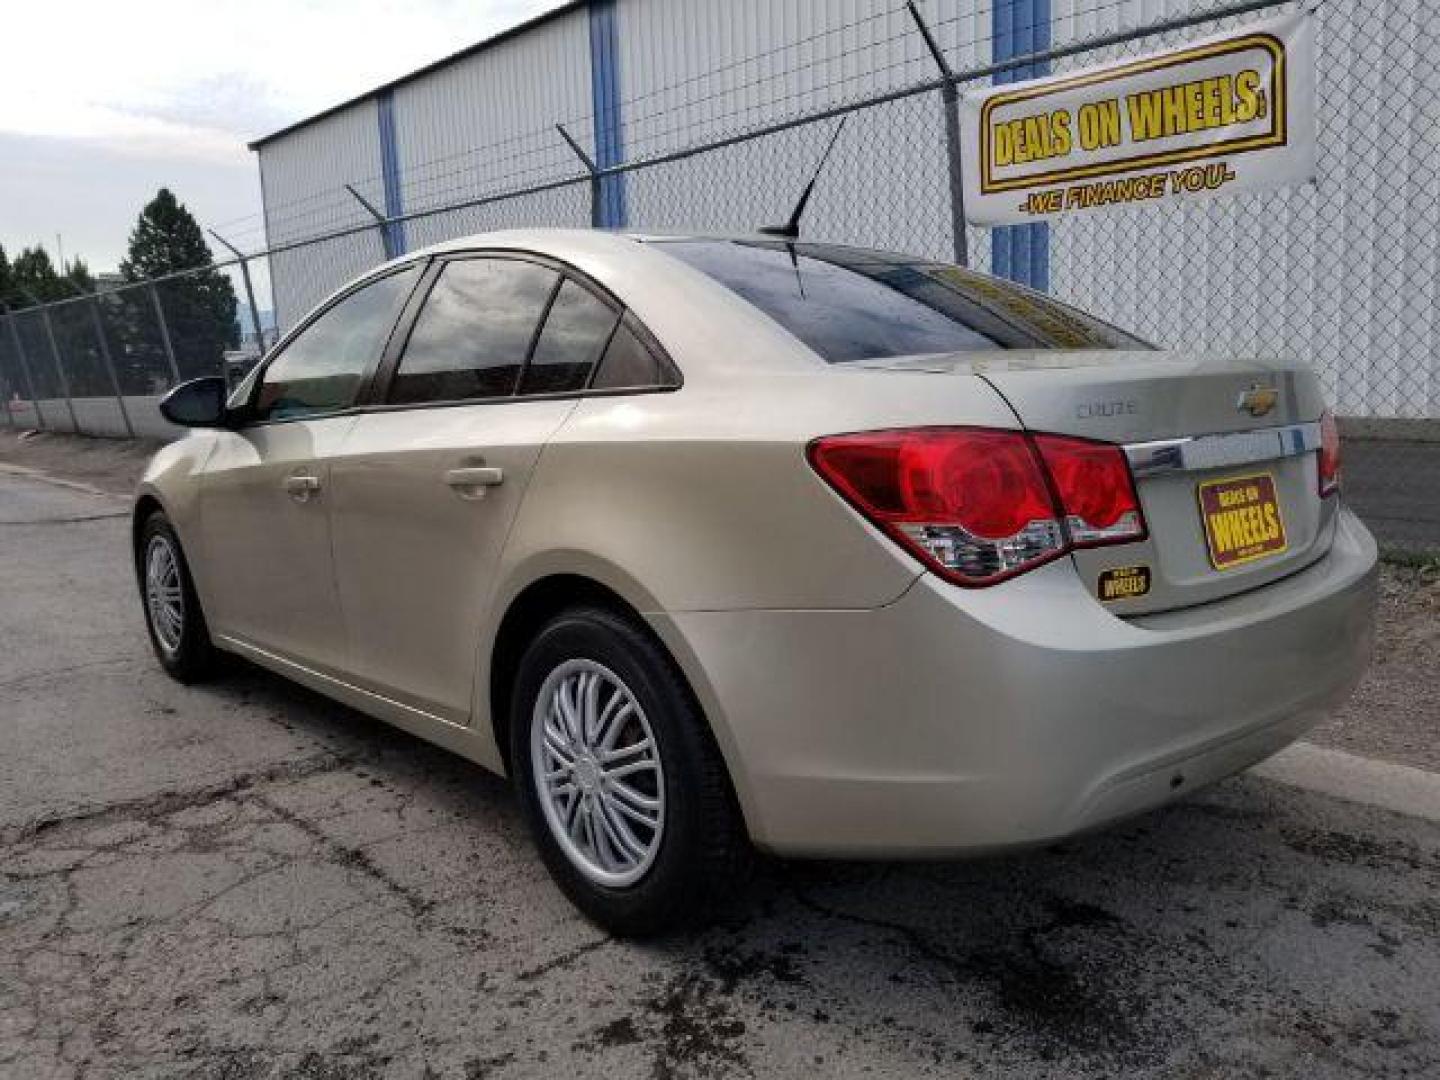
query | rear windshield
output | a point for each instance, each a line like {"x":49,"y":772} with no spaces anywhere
{"x":852,"y":304}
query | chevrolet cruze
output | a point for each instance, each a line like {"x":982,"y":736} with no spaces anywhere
{"x":719,"y":542}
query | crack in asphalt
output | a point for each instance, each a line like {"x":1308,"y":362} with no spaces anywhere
{"x":169,"y":801}
{"x":61,"y":670}
{"x":346,"y":855}
{"x":76,"y":520}
{"x":564,"y":960}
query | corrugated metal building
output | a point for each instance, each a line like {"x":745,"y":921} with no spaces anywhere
{"x":1323,"y":271}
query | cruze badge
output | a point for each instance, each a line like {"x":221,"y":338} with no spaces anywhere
{"x":1258,"y":400}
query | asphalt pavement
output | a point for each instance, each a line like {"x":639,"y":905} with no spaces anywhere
{"x":245,"y":880}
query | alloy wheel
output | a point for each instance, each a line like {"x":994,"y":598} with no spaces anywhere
{"x":164,"y":596}
{"x":598,"y":773}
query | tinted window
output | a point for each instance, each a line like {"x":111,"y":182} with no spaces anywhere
{"x":473,"y":333}
{"x":628,"y":363}
{"x":322,"y":368}
{"x":576,"y":330}
{"x":852,"y":304}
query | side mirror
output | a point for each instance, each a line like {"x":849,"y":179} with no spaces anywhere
{"x":199,"y":403}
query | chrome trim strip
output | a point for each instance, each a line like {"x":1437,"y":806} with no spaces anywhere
{"x":1198,"y":452}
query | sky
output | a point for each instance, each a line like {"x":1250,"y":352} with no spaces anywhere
{"x":103,"y":102}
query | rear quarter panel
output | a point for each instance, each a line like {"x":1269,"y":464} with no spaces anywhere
{"x":703,"y":498}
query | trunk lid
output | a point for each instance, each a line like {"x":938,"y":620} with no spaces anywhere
{"x":1223,"y":452}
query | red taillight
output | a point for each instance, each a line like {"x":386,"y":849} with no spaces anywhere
{"x":1329,"y":454}
{"x":1094,"y":484}
{"x":977,"y":505}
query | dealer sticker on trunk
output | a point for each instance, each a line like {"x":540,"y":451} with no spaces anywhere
{"x":1123,"y":583}
{"x":1242,"y":520}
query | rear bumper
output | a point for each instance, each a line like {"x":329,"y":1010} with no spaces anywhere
{"x":956,"y":721}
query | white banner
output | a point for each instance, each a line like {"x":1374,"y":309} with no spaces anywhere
{"x":1230,"y":113}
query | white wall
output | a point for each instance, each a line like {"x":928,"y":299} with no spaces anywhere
{"x":1342,"y":272}
{"x":303,"y":176}
{"x":485,"y":123}
{"x":692,"y":70}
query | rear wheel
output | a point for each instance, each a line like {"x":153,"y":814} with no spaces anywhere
{"x":172,"y":610}
{"x":622,"y":784}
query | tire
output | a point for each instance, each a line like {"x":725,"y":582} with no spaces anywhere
{"x":699,"y":851}
{"x":185,"y":652}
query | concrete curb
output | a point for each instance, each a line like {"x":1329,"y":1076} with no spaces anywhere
{"x":1402,"y":789}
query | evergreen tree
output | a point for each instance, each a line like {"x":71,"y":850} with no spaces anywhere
{"x":199,"y":307}
{"x":6,"y":275}
{"x":33,"y":275}
{"x":79,"y":277}
{"x":34,"y":278}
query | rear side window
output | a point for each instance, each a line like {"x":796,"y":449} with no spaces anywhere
{"x":577,"y":329}
{"x":322,"y":367}
{"x":850,"y":304}
{"x":630,"y":364}
{"x":474,"y":332}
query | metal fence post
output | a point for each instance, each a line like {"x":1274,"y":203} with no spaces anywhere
{"x":387,"y":238}
{"x":44,"y":310}
{"x":9,"y":413}
{"x":249,"y":293}
{"x":10,"y":395}
{"x":24,"y":366}
{"x":110,"y":364}
{"x":596,"y":197}
{"x":950,"y":102}
{"x":60,"y":370}
{"x":165,"y":335}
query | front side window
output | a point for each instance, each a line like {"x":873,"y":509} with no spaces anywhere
{"x":474,"y":332}
{"x":850,"y":304}
{"x":322,"y":368}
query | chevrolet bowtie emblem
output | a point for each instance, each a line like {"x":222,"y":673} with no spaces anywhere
{"x":1258,"y":400}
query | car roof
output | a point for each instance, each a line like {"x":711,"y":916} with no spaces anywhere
{"x":684,"y":308}
{"x":562,"y":242}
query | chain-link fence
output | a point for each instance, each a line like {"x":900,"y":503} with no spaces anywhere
{"x":1340,"y":272}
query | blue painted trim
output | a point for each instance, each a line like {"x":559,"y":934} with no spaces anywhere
{"x":605,"y":100}
{"x":393,"y":233}
{"x":1021,"y":252}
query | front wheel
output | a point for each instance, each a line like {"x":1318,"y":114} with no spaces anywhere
{"x":623,"y":786}
{"x":172,"y":609}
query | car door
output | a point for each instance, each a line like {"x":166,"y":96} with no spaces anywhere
{"x":265,"y":505}
{"x":426,"y":485}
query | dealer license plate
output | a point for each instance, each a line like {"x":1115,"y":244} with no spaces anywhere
{"x":1242,"y":520}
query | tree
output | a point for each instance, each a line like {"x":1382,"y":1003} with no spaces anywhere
{"x":33,"y":275}
{"x":7,"y":287}
{"x":199,"y":307}
{"x":79,"y":276}
{"x":9,"y":369}
{"x":33,"y":278}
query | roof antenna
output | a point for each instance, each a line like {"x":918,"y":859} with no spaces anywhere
{"x":791,"y":229}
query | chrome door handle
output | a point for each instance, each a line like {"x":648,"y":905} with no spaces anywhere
{"x":300,"y":488}
{"x":471,"y":482}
